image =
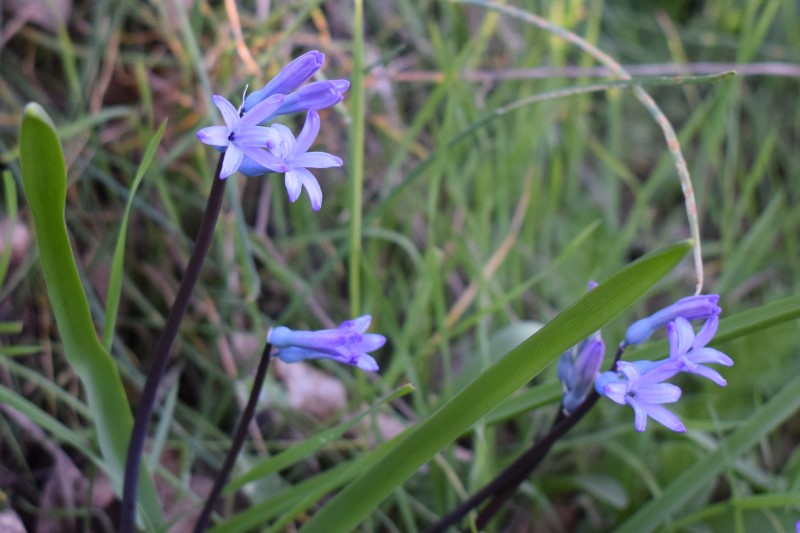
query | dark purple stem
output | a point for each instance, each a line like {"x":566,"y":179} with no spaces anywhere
{"x":144,"y":413}
{"x":506,"y":483}
{"x":238,"y":441}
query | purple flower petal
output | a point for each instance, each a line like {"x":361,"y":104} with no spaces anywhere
{"x":229,"y":113}
{"x":706,"y":332}
{"x":262,"y":112}
{"x":359,"y":324}
{"x":266,"y":160}
{"x":231,"y":161}
{"x":309,"y":132}
{"x":316,"y":160}
{"x":289,"y":78}
{"x":293,"y":185}
{"x":312,"y":187}
{"x":214,"y":135}
{"x":256,"y":136}
{"x":659,"y":393}
{"x":665,"y":417}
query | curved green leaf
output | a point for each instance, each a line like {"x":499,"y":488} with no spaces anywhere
{"x":44,"y":180}
{"x":494,"y":385}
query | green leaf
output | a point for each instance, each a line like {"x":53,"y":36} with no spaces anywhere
{"x":495,"y":384}
{"x":44,"y":180}
{"x":115,"y":278}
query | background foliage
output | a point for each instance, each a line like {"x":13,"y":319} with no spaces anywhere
{"x":466,"y":247}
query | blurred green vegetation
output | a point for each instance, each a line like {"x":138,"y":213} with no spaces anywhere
{"x":517,"y":216}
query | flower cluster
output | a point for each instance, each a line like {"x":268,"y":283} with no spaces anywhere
{"x":346,"y":344}
{"x":641,"y":384}
{"x":252,"y":147}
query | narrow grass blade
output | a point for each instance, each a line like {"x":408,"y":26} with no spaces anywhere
{"x":44,"y":180}
{"x":115,"y":278}
{"x":10,"y":190}
{"x":494,"y":385}
{"x":356,"y":163}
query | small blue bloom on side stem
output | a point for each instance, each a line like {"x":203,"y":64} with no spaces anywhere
{"x":346,"y":344}
{"x":640,"y":385}
{"x":690,"y":351}
{"x":690,"y":308}
{"x":577,"y":369}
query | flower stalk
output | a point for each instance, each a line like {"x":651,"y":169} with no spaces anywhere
{"x":147,"y":402}
{"x":238,"y":441}
{"x":505,"y":484}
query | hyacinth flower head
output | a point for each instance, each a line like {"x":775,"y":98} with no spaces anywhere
{"x":690,"y":308}
{"x":293,"y":153}
{"x":577,"y":369}
{"x":252,"y":146}
{"x":346,"y":344}
{"x":640,"y":385}
{"x":690,"y":351}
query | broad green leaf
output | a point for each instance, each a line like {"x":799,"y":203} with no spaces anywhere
{"x":696,"y":478}
{"x":495,"y":384}
{"x":115,"y":278}
{"x":44,"y":180}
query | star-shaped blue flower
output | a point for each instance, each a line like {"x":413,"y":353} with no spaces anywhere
{"x":242,"y":136}
{"x":690,"y":351}
{"x":639,"y":385}
{"x":294,"y":154}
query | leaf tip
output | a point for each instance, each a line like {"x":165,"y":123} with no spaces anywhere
{"x":35,"y":110}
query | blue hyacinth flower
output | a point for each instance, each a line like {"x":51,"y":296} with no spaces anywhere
{"x":690,"y":350}
{"x":294,"y":154}
{"x":640,"y":385}
{"x":690,"y":308}
{"x":346,"y":344}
